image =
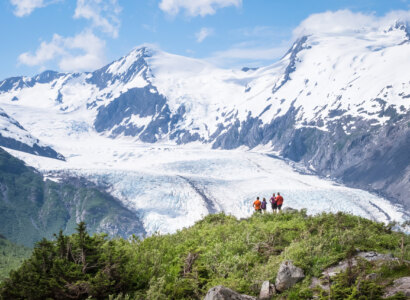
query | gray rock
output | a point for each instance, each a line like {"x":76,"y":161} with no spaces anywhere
{"x":223,"y":293}
{"x":374,"y":256}
{"x":399,"y":285}
{"x":289,"y":210}
{"x":372,"y":276}
{"x":322,"y":283}
{"x":369,"y":256}
{"x":288,"y":275}
{"x":267,"y":290}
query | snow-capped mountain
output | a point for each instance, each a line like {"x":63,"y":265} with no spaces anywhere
{"x":337,"y":103}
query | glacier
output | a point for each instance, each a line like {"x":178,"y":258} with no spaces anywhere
{"x":169,"y":187}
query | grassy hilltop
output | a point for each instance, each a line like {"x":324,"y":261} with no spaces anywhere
{"x":218,"y":250}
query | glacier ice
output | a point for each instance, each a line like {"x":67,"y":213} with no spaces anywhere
{"x":170,"y":187}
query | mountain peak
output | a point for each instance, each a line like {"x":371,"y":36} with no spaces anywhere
{"x":401,"y":25}
{"x":144,"y":50}
{"x":135,"y":60}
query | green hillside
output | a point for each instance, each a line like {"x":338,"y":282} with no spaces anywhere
{"x":11,"y":256}
{"x":32,"y":208}
{"x":218,"y":250}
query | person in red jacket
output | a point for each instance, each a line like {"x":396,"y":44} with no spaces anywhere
{"x":279,"y":201}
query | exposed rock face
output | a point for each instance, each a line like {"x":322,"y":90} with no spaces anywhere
{"x":223,"y":293}
{"x":267,"y":290}
{"x":374,"y":256}
{"x":374,"y":158}
{"x":399,"y":285}
{"x":288,"y":275}
{"x":14,"y":136}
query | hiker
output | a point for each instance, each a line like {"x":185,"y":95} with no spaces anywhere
{"x":257,"y":205}
{"x":279,"y":201}
{"x":273,"y":203}
{"x":263,"y":205}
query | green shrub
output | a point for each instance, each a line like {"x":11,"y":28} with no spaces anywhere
{"x":218,"y":250}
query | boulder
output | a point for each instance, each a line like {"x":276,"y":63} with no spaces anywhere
{"x":289,"y":210}
{"x":267,"y":290}
{"x":223,"y":293}
{"x":288,"y":275}
{"x":399,"y":285}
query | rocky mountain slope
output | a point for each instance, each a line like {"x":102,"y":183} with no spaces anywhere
{"x":337,"y":103}
{"x":14,"y":136}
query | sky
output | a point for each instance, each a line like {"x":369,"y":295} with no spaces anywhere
{"x":84,"y":35}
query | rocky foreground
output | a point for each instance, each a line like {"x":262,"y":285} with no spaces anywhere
{"x":288,"y":275}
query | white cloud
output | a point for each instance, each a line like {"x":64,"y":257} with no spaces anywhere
{"x":346,"y":21}
{"x":82,"y":52}
{"x":92,"y":56}
{"x":196,"y":7}
{"x":44,"y":53}
{"x":248,"y":54}
{"x":26,"y":7}
{"x":260,"y":47}
{"x":203,"y":34}
{"x":102,"y":13}
{"x":255,"y":46}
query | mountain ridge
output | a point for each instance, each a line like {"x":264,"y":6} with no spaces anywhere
{"x":334,"y":102}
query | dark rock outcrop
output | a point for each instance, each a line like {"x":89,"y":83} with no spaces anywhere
{"x":22,"y":140}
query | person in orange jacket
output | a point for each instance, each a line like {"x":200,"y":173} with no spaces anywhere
{"x":279,"y":201}
{"x":257,"y":205}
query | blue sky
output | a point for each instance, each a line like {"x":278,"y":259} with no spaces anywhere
{"x":82,"y":35}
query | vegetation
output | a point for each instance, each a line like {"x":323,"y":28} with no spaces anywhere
{"x":32,"y":208}
{"x":219,"y":249}
{"x":11,"y":256}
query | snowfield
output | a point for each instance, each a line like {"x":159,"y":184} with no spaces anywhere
{"x":170,"y":187}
